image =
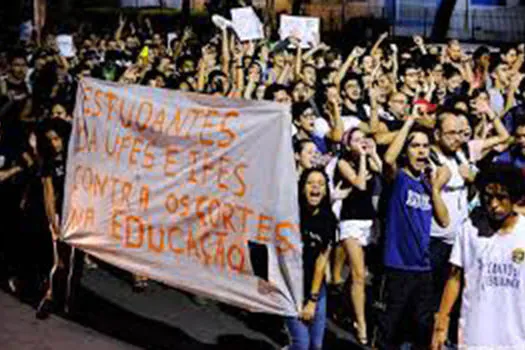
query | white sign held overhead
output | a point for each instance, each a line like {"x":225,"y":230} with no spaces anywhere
{"x":65,"y":45}
{"x":305,"y":28}
{"x":171,"y":37}
{"x":246,"y":24}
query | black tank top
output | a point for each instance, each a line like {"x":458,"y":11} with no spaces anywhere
{"x":358,"y":205}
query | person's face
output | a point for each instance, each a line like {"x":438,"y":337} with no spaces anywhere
{"x":282,"y":96}
{"x":55,"y":140}
{"x":279,"y":60}
{"x":300,"y":93}
{"x":59,"y":112}
{"x":307,"y":155}
{"x":482,"y":99}
{"x":465,"y":129}
{"x":310,"y":76}
{"x":188,"y":67}
{"x":337,"y":62}
{"x":255,"y":70}
{"x":40,"y":63}
{"x":454,"y":82}
{"x":368,"y":64}
{"x":520,"y":139}
{"x":412,"y":78}
{"x":353,"y":90}
{"x":418,"y":150}
{"x":398,"y":104}
{"x":449,"y":136}
{"x":131,"y":44}
{"x":357,"y":142}
{"x":502,"y":75}
{"x":332,"y":94}
{"x":112,"y":45}
{"x":454,"y":51}
{"x":384,"y":83}
{"x":158,"y":82}
{"x":510,"y":57}
{"x":307,"y":121}
{"x":497,"y":202}
{"x":19,"y":68}
{"x":437,"y":74}
{"x":185,"y":87}
{"x":485,"y":61}
{"x":315,"y":189}
{"x":87,"y":44}
{"x":259,"y":93}
{"x":157,"y":40}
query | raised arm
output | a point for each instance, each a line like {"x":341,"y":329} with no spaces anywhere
{"x":420,"y":43}
{"x":120,"y":29}
{"x":355,"y":54}
{"x":439,"y":179}
{"x":336,"y":123}
{"x":502,"y":134}
{"x":378,"y":43}
{"x":396,"y":146}
{"x":358,"y":179}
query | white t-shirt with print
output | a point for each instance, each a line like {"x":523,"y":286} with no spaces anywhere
{"x":493,"y":304}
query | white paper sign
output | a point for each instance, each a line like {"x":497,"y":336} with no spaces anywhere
{"x":66,"y":46}
{"x":305,"y":28}
{"x":246,"y":24}
{"x":171,"y":37}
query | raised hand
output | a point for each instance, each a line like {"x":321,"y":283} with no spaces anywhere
{"x":440,"y":177}
{"x":418,"y":40}
{"x":358,"y":52}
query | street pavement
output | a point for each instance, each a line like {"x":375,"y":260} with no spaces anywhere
{"x":111,"y":316}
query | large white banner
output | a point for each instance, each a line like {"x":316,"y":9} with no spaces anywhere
{"x":193,"y":190}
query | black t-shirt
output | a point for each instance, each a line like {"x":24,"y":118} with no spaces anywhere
{"x":56,"y":169}
{"x":359,"y":112}
{"x":358,"y":204}
{"x":10,"y":156}
{"x":318,"y":233}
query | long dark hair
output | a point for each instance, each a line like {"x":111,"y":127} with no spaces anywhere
{"x":324,"y":206}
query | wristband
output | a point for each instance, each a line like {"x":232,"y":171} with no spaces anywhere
{"x":314,"y":297}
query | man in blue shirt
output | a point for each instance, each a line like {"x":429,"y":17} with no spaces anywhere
{"x":414,"y":199}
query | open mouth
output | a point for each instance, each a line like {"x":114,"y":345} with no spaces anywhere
{"x":315,"y":195}
{"x":421,"y":162}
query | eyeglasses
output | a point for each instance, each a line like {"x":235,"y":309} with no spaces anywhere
{"x":453,"y":133}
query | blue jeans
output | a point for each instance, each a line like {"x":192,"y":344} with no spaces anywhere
{"x":309,"y":336}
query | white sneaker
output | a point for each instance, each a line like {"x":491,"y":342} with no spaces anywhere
{"x":221,"y":22}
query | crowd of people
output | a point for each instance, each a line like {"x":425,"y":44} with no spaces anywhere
{"x":408,"y":158}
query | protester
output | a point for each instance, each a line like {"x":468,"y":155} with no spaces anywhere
{"x":318,"y":227}
{"x":488,"y":260}
{"x":415,"y":198}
